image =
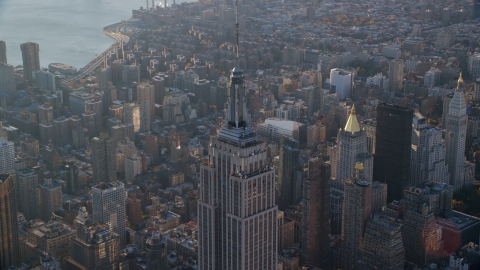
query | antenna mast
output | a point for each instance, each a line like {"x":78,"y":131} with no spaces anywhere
{"x":237,"y":34}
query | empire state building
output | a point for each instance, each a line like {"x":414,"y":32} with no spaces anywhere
{"x":237,"y":215}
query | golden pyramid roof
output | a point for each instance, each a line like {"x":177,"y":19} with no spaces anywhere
{"x":352,"y":123}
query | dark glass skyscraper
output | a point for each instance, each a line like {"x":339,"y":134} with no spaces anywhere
{"x":393,"y":146}
{"x":288,"y":164}
{"x":31,"y":60}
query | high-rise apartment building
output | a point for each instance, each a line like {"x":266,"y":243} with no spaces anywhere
{"x":49,"y":199}
{"x":61,"y":131}
{"x":133,"y":166}
{"x":237,"y":215}
{"x":3,"y":52}
{"x":94,"y":247}
{"x":455,"y":138}
{"x":71,"y":176}
{"x":357,"y":206}
{"x":109,"y":208}
{"x":7,"y":78}
{"x":392,"y":149}
{"x":287,"y":166}
{"x":382,"y":243}
{"x":31,"y":59}
{"x":315,"y":240}
{"x":7,"y":155}
{"x":45,"y":113}
{"x":9,"y":251}
{"x":103,"y":160}
{"x":395,"y":75}
{"x":351,"y":148}
{"x":146,"y":92}
{"x":427,"y":160}
{"x":27,"y":195}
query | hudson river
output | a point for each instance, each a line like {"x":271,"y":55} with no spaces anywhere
{"x":68,"y":32}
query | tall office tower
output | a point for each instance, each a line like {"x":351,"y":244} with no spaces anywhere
{"x":395,"y":75}
{"x":27,"y":195}
{"x":357,"y":205}
{"x":383,"y":245}
{"x":393,"y":147}
{"x":49,"y":198}
{"x":351,"y":148}
{"x":7,"y":155}
{"x":131,"y":114}
{"x":103,"y":160}
{"x":155,"y":252}
{"x":159,"y":84}
{"x":343,"y":82}
{"x":94,"y":247}
{"x":419,"y":233}
{"x":315,"y":238}
{"x":9,"y":251}
{"x":71,"y":176}
{"x":116,"y":111}
{"x":146,"y":92}
{"x":109,"y":207}
{"x":3,"y":52}
{"x":288,"y":164}
{"x":46,"y":132}
{"x":370,"y":126}
{"x":61,"y":131}
{"x":152,"y":146}
{"x":45,"y":113}
{"x":455,"y":136}
{"x":427,"y":160}
{"x":31,"y":60}
{"x":237,"y":215}
{"x":7,"y":79}
{"x":95,"y":106}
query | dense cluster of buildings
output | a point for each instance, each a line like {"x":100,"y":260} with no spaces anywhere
{"x":330,"y":135}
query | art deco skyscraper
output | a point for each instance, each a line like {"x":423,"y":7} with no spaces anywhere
{"x":31,"y":59}
{"x":237,"y":215}
{"x":315,"y":240}
{"x":9,"y":251}
{"x":357,"y":206}
{"x":455,"y":136}
{"x":3,"y":52}
{"x":103,"y":160}
{"x":392,"y":149}
{"x":428,"y":153}
{"x":109,"y":207}
{"x":351,"y":148}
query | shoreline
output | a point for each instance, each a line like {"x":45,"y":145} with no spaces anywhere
{"x":110,"y":31}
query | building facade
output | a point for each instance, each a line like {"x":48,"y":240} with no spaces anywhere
{"x":103,"y":160}
{"x":9,"y":250}
{"x":31,"y":59}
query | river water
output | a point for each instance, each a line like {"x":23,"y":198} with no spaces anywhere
{"x":68,"y":32}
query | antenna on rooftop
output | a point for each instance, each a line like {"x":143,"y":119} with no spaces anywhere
{"x":236,"y":32}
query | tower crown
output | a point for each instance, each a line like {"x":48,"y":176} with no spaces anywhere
{"x":352,"y":123}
